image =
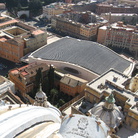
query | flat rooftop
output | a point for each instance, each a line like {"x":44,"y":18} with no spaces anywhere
{"x":90,"y":55}
{"x":114,"y":81}
{"x":111,"y":76}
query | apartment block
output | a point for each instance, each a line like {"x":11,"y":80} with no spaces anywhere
{"x":119,"y":35}
{"x":116,"y":8}
{"x":72,"y":85}
{"x":55,"y":9}
{"x":24,"y":77}
{"x":35,"y":40}
{"x":127,"y":18}
{"x":83,"y":6}
{"x":11,"y":49}
{"x":83,"y":25}
{"x":18,"y":39}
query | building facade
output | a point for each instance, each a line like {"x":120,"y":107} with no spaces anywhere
{"x":56,"y":8}
{"x":11,"y":49}
{"x":116,"y":82}
{"x":51,"y":10}
{"x":133,"y":86}
{"x":119,"y":35}
{"x":128,"y":18}
{"x":106,"y":8}
{"x":24,"y":77}
{"x":83,"y":25}
{"x":18,"y":39}
{"x":35,"y":40}
{"x":72,"y":85}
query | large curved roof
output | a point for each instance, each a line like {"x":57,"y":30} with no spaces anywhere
{"x":80,"y":126}
{"x":87,"y":54}
{"x":19,"y":119}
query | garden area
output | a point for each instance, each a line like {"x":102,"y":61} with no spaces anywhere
{"x":54,"y":96}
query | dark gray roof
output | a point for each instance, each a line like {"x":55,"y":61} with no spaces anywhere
{"x":87,"y":54}
{"x":70,"y":81}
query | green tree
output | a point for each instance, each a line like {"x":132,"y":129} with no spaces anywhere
{"x":35,"y":6}
{"x":10,"y":4}
{"x":38,"y":79}
{"x":61,"y":102}
{"x":51,"y":76}
{"x":45,"y":86}
{"x":24,"y":3}
{"x":53,"y":94}
{"x":19,"y":7}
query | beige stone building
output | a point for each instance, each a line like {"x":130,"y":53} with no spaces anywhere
{"x":115,"y":81}
{"x":119,"y":35}
{"x":66,"y":26}
{"x":133,"y":86}
{"x":115,"y":8}
{"x":83,"y":25}
{"x":115,"y":17}
{"x":18,"y":39}
{"x":130,"y":2}
{"x":72,"y":85}
{"x":37,"y":39}
{"x":103,"y":86}
{"x":55,"y":9}
{"x":49,"y":11}
{"x":89,"y":32}
{"x":11,"y":49}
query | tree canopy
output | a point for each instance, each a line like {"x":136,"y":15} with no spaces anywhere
{"x":35,"y":6}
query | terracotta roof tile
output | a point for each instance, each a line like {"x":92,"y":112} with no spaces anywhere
{"x":9,"y":22}
{"x":37,"y":32}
